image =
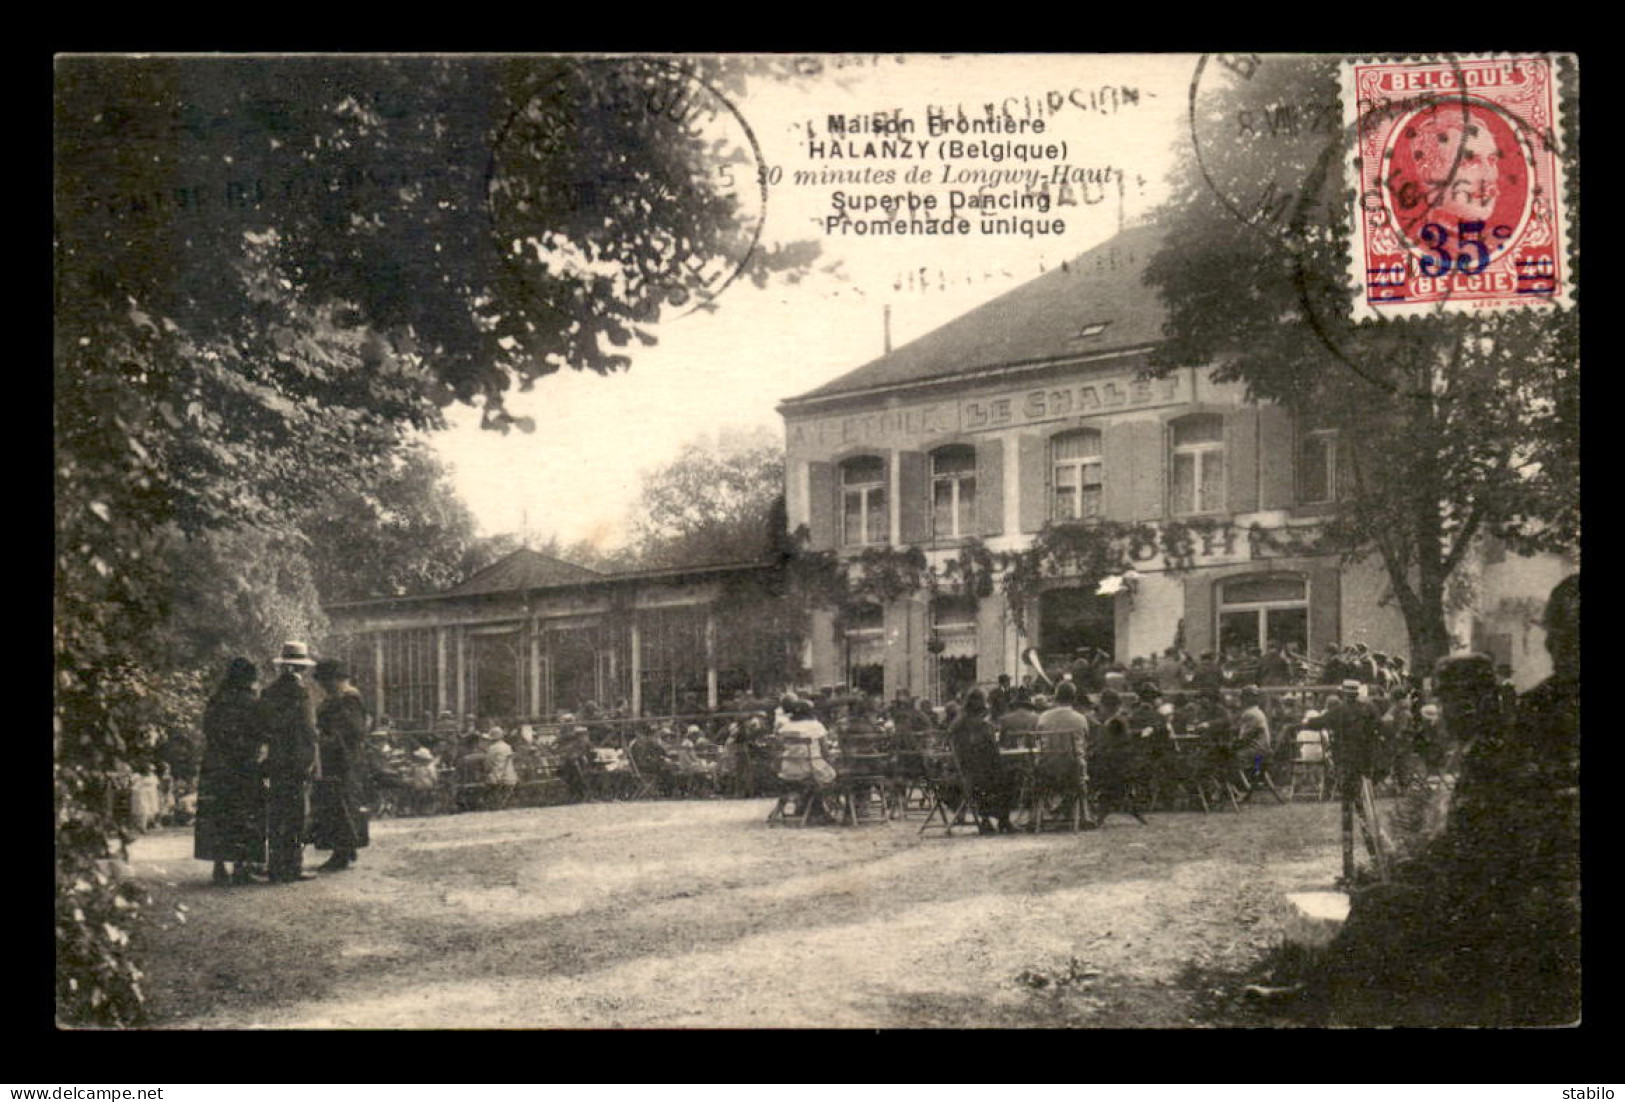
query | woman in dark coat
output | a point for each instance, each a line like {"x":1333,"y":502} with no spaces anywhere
{"x":231,"y":782}
{"x":339,"y":798}
{"x":976,"y":746}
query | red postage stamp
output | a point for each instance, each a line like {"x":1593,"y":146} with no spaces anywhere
{"x":1459,"y":194}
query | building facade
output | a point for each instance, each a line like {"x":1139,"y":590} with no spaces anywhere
{"x":1031,"y":409}
{"x":531,"y":636}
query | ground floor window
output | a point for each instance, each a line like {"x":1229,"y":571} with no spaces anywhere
{"x":1259,"y":612}
{"x":952,"y":661}
{"x":865,"y":644}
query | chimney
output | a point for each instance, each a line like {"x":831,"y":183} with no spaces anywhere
{"x":886,"y":326}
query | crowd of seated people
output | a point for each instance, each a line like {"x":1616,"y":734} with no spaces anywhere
{"x":1144,"y":733}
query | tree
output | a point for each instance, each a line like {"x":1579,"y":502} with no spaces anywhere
{"x":1450,"y":427}
{"x":269,"y":274}
{"x":405,"y":531}
{"x":714,"y":503}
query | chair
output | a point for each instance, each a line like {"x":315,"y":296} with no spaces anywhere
{"x":948,"y":791}
{"x":1060,"y":772}
{"x":864,"y":778}
{"x":1309,"y":761}
{"x":810,"y":794}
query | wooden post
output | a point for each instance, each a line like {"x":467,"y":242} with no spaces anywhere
{"x":1348,"y":837}
{"x":637,"y":669}
{"x":378,"y":673}
{"x":710,"y":658}
{"x":462,"y":677}
{"x":440,"y":694}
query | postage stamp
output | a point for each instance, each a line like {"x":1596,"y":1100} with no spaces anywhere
{"x":1459,"y":193}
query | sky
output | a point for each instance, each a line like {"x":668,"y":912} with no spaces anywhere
{"x":579,"y":474}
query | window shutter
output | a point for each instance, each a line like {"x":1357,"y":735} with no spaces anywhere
{"x":1242,"y":462}
{"x":1133,"y":452}
{"x":1117,"y":472}
{"x":1278,"y":457}
{"x":1034,"y":482}
{"x":990,"y":487}
{"x":914,"y":497}
{"x":823,"y":506}
{"x":1148,"y":444}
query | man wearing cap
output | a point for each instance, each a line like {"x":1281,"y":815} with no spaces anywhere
{"x":288,"y":714}
{"x":339,"y":797}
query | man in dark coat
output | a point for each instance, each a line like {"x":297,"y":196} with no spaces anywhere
{"x":1356,"y":733}
{"x":231,"y":785}
{"x":288,"y":715}
{"x":1483,"y":926}
{"x":340,"y":795}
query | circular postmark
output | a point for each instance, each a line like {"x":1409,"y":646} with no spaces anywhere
{"x":635,"y":175}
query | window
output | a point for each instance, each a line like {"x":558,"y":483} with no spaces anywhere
{"x":864,"y":519}
{"x":953,"y":492}
{"x":672,"y":660}
{"x":1317,"y":467}
{"x":1259,"y":612}
{"x":1075,"y":457}
{"x":865,"y":649}
{"x":410,"y":663}
{"x":1197,"y":470}
{"x":952,"y":669}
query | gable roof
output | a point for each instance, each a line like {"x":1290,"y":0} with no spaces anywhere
{"x":523,"y":569}
{"x":1049,"y":318}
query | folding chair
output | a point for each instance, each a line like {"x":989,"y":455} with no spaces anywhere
{"x":1309,"y":760}
{"x":640,"y":785}
{"x":948,"y":791}
{"x":810,"y":794}
{"x":909,"y":788}
{"x":864,"y":779}
{"x":1059,"y":772}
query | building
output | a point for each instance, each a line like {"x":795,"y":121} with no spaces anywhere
{"x":532,"y":636}
{"x":1028,"y":409}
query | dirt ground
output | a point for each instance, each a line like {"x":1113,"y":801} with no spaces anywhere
{"x":697,"y":914}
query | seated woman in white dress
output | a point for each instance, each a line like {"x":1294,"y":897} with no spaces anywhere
{"x":803,"y":763}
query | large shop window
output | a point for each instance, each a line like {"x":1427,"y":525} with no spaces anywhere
{"x":953,"y":669}
{"x":1317,"y":467}
{"x":864,"y":519}
{"x":865,"y":639}
{"x":1259,"y":612}
{"x":409,"y":675}
{"x":1196,"y":471}
{"x":1077,"y":464}
{"x":953,"y":492}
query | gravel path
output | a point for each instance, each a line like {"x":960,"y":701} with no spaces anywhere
{"x":695,"y":913}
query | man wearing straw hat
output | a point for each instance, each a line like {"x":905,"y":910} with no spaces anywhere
{"x":289,"y":715}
